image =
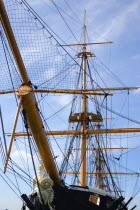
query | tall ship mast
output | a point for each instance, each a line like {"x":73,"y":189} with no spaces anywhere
{"x":87,"y":177}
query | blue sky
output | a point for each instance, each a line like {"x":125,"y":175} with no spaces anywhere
{"x":107,"y":20}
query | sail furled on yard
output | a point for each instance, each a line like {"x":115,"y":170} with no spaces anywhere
{"x":47,"y":64}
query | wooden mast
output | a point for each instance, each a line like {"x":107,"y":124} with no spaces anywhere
{"x":84,"y":109}
{"x":28,"y":102}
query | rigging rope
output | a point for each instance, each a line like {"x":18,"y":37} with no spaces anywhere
{"x":33,"y":162}
{"x":117,"y":113}
{"x":10,"y":186}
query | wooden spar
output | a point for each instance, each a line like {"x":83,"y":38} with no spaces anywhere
{"x":119,"y":173}
{"x":28,"y":102}
{"x":86,"y":132}
{"x":113,"y":88}
{"x":60,"y":91}
{"x":84,"y":110}
{"x":12,"y":136}
{"x":86,"y":91}
{"x":71,"y":92}
{"x":6,"y":92}
{"x":84,"y":44}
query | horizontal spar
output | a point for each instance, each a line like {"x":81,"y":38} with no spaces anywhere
{"x":86,"y":132}
{"x":113,"y":88}
{"x":119,"y":173}
{"x":71,"y":92}
{"x":77,"y":91}
{"x":7,"y":91}
{"x":59,"y":91}
{"x":65,"y":45}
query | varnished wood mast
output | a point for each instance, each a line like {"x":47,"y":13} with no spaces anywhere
{"x":84,"y":110}
{"x":29,"y":103}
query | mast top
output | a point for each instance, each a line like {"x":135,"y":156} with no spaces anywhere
{"x":84,"y":44}
{"x":84,"y":29}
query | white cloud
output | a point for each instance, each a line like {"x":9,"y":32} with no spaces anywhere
{"x":116,"y":18}
{"x":24,"y":160}
{"x":119,"y":22}
{"x":15,"y":154}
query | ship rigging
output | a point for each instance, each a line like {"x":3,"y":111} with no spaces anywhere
{"x":93,"y":185}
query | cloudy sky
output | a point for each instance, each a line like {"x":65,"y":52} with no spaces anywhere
{"x":107,"y":20}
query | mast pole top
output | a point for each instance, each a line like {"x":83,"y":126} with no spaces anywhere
{"x":84,"y":32}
